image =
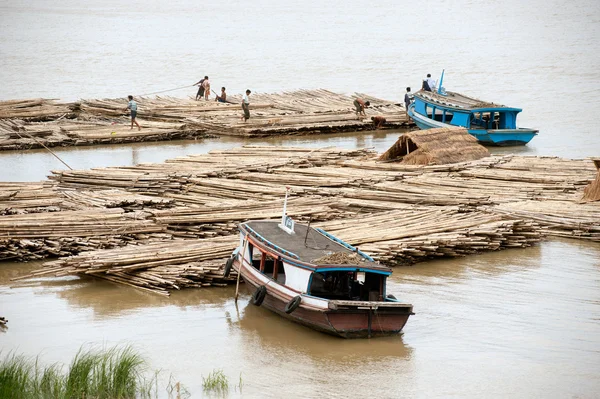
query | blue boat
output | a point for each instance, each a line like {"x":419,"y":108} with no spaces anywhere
{"x":490,"y":123}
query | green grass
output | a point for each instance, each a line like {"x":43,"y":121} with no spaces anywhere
{"x":108,"y":374}
{"x":216,"y":382}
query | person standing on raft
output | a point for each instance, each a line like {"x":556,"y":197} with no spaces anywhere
{"x":360,"y":106}
{"x":246,"y":105}
{"x":132,"y":105}
{"x":200,"y":93}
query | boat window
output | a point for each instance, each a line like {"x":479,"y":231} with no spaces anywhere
{"x":429,"y":110}
{"x":270,"y":266}
{"x":347,"y":285}
{"x":256,"y":256}
{"x":448,"y":115}
{"x":481,"y":120}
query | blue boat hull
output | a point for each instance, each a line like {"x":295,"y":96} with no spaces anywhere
{"x":499,"y":137}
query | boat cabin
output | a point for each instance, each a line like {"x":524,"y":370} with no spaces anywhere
{"x":313,"y":262}
{"x":469,"y":114}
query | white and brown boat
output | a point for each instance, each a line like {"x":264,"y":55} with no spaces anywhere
{"x":316,"y":279}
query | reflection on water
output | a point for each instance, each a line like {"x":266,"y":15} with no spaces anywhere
{"x":528,"y":317}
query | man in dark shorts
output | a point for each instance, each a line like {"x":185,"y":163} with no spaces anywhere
{"x":360,"y":106}
{"x":246,"y":105}
{"x":132,"y":105}
{"x":200,"y":93}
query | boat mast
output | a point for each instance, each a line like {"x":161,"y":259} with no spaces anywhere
{"x":440,"y":87}
{"x":287,"y":223}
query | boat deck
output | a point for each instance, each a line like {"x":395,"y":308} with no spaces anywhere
{"x":315,"y":247}
{"x":458,"y":100}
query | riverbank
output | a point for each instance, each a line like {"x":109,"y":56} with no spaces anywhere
{"x":133,"y":224}
{"x":36,"y":123}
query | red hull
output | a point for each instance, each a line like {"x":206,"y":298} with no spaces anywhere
{"x":346,"y":323}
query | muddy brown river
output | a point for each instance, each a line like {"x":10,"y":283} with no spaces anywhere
{"x":516,"y":323}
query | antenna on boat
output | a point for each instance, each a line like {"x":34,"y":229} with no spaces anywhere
{"x":441,"y":89}
{"x":287,"y":223}
{"x":307,"y":230}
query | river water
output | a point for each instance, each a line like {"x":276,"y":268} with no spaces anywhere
{"x":515,"y":323}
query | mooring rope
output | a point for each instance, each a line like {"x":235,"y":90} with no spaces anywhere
{"x":42,"y":144}
{"x":164,"y":91}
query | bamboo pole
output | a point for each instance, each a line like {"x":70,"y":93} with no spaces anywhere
{"x":237,"y":284}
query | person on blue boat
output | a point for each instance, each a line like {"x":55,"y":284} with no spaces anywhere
{"x":429,"y":83}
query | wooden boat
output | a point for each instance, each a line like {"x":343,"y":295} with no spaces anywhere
{"x":490,"y":123}
{"x":315,"y":279}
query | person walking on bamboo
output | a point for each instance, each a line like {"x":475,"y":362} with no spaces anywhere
{"x":132,"y":106}
{"x":200,"y":93}
{"x":360,"y":106}
{"x":246,"y":105}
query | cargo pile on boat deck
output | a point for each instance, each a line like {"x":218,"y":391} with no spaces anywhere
{"x":173,"y":225}
{"x":33,"y":123}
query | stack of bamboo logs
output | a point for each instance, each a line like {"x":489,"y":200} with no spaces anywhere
{"x":36,"y":236}
{"x":156,"y":267}
{"x":165,"y":118}
{"x":403,"y":236}
{"x":34,"y":109}
{"x":398,"y":214}
{"x":33,"y":197}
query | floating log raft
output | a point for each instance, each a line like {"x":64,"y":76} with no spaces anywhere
{"x":165,"y":118}
{"x":156,"y":267}
{"x":397,"y":213}
{"x":36,"y":236}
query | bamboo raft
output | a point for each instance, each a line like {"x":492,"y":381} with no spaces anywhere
{"x":183,"y":213}
{"x":28,"y":124}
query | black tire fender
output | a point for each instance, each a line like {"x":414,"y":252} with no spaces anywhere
{"x":259,"y":295}
{"x":293,"y":304}
{"x":391,"y":297}
{"x":228,"y":267}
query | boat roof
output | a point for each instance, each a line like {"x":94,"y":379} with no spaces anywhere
{"x":460,"y":101}
{"x":293,"y":245}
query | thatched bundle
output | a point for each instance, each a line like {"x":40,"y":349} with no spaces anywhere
{"x":339,"y":258}
{"x":592,"y":191}
{"x":436,"y":147}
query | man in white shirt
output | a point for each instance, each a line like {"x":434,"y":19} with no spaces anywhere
{"x":245,"y":106}
{"x":431,"y":82}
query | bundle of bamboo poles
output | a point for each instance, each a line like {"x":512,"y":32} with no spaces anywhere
{"x":35,"y":236}
{"x":29,"y":197}
{"x":557,"y":217}
{"x":38,"y":108}
{"x":105,"y":121}
{"x":114,"y":198}
{"x":156,"y":267}
{"x":222,"y":219}
{"x":399,"y":214}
